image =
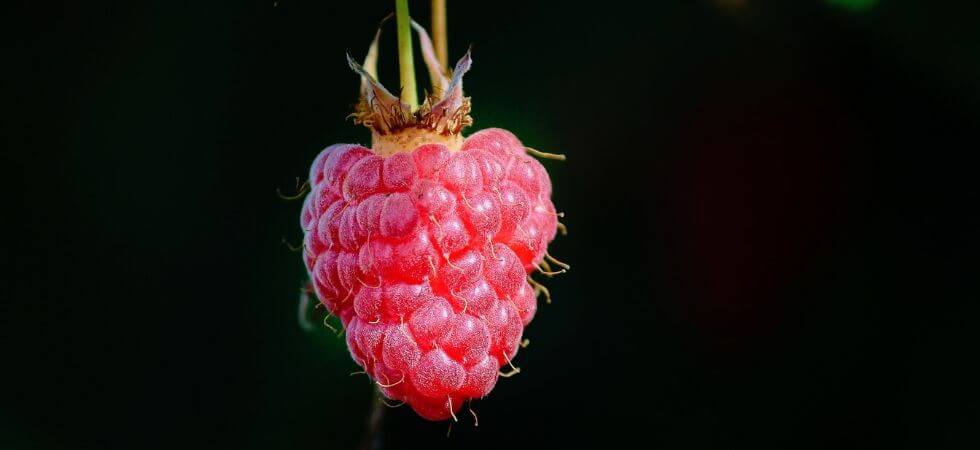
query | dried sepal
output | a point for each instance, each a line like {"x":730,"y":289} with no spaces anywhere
{"x":444,"y":112}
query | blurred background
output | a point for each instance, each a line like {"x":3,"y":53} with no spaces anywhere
{"x":770,"y":204}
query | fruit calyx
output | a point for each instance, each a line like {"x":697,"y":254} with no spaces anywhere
{"x":397,"y":126}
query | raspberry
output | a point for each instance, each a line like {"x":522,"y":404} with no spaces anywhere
{"x":422,"y":247}
{"x":427,"y":268}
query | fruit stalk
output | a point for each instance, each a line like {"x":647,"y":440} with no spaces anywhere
{"x":406,"y":63}
{"x":439,"y":35}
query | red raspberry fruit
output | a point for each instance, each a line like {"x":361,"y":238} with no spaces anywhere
{"x":423,"y":245}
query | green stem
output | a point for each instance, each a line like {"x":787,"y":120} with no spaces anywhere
{"x":406,"y":63}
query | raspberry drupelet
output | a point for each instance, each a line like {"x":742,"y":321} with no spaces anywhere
{"x":422,"y":244}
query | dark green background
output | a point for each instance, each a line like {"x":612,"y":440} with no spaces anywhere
{"x":770,"y":204}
